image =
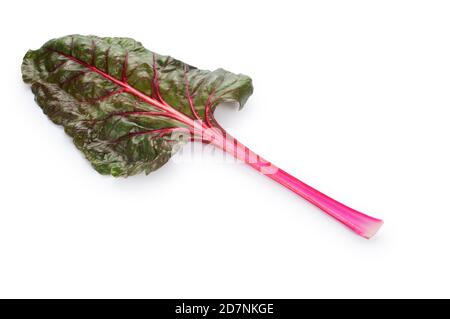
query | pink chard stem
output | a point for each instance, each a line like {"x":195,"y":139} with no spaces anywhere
{"x":362,"y":224}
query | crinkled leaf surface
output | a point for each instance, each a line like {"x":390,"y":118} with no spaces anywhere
{"x":121,"y":103}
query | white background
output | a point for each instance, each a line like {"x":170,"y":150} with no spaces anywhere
{"x":352,"y":97}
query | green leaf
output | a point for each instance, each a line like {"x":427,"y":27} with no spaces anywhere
{"x":122,"y":103}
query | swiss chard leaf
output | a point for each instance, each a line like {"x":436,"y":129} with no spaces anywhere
{"x":121,"y":102}
{"x":128,"y":109}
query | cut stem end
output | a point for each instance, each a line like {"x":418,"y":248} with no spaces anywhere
{"x":371,"y":228}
